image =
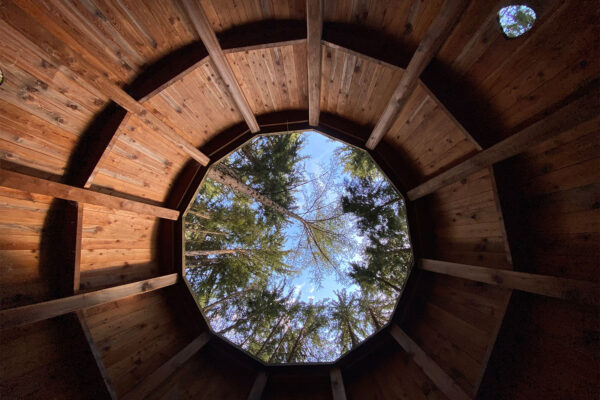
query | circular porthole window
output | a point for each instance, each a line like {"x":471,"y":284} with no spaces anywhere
{"x":515,"y":20}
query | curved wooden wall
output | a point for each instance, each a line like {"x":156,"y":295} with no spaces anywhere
{"x":536,"y":212}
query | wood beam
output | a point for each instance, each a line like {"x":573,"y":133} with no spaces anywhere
{"x":437,"y":375}
{"x":434,"y":38}
{"x":154,"y":380}
{"x":259,"y":386}
{"x":31,"y":184}
{"x":569,"y":116}
{"x":551,"y":286}
{"x":314,"y":30}
{"x":70,"y":283}
{"x":208,"y":37}
{"x":337,"y":384}
{"x":49,"y":309}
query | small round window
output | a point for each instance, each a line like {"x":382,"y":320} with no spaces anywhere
{"x":515,"y":20}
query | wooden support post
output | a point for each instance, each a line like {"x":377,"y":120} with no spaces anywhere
{"x":561,"y":288}
{"x":314,"y":30}
{"x":434,"y":38}
{"x":208,"y":37}
{"x":40,"y":311}
{"x":31,"y":184}
{"x":429,"y":367}
{"x":154,"y":380}
{"x":259,"y":386}
{"x":581,"y":110}
{"x":337,"y":384}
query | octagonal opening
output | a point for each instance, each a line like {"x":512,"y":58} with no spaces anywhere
{"x":297,"y":247}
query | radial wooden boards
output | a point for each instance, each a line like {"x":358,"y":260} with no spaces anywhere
{"x":557,"y":183}
{"x":354,"y":85}
{"x":206,"y":377}
{"x":272,"y":79}
{"x":135,"y":336}
{"x":428,"y":136}
{"x":405,"y":21}
{"x":48,"y":359}
{"x":395,"y":376}
{"x":198,"y":104}
{"x":457,"y":321}
{"x":117,"y":38}
{"x":515,"y":80}
{"x":224,"y":15}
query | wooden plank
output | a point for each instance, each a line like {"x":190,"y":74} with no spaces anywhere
{"x":337,"y":384}
{"x":314,"y":29}
{"x":258,"y":387}
{"x":96,"y":354}
{"x":208,"y":37}
{"x":578,"y":111}
{"x":38,"y":312}
{"x":444,"y":382}
{"x":60,"y":53}
{"x":155,"y":379}
{"x":434,"y":38}
{"x":31,"y":184}
{"x":561,"y":288}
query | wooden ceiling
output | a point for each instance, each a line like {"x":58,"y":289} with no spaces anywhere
{"x":131,"y":98}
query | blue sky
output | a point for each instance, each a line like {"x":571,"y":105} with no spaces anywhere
{"x":319,"y":151}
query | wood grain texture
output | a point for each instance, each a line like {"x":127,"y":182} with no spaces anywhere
{"x":567,"y":289}
{"x":577,"y":112}
{"x":435,"y":37}
{"x":31,"y":184}
{"x":154,"y":380}
{"x":314,"y":29}
{"x":37,"y":312}
{"x":206,"y":33}
{"x":431,"y":369}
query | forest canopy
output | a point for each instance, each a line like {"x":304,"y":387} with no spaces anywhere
{"x":297,"y":247}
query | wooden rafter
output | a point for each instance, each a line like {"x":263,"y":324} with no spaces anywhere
{"x":32,"y":184}
{"x":578,"y":111}
{"x":53,"y":308}
{"x":434,"y":38}
{"x":437,"y":375}
{"x":62,"y":50}
{"x":314,"y":30}
{"x":208,"y":37}
{"x":551,"y":286}
{"x":337,"y":384}
{"x":154,"y":380}
{"x":258,"y":386}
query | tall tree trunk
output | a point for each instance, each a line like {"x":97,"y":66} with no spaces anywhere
{"x":216,"y":252}
{"x":353,"y":337}
{"x":224,"y":299}
{"x":374,"y":319}
{"x":249,"y":336}
{"x":292,"y":352}
{"x":279,"y":344}
{"x":228,"y":180}
{"x":270,"y":336}
{"x":388,"y":283}
{"x":233,"y":326}
{"x":199,"y":214}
